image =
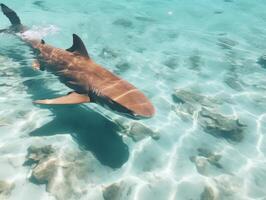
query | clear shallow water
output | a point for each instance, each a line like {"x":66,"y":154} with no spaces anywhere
{"x":207,"y":48}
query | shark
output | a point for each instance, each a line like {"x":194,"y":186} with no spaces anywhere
{"x":90,"y":82}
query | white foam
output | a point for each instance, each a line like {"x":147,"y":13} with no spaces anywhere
{"x":39,"y":33}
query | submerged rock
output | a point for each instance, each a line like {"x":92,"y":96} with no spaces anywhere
{"x":43,"y":162}
{"x":124,"y":23}
{"x":201,"y":164}
{"x":145,"y":19}
{"x":41,"y":4}
{"x":173,"y":35}
{"x":218,"y":12}
{"x":226,"y":43}
{"x":187,"y":97}
{"x":233,"y":82}
{"x":4,"y":122}
{"x":108,"y":53}
{"x":212,"y":158}
{"x":210,"y":120}
{"x":195,"y":61}
{"x":139,"y":131}
{"x":5,"y":189}
{"x":229,"y":187}
{"x":262,"y":61}
{"x":118,"y":191}
{"x":60,"y":172}
{"x":205,"y":160}
{"x":136,"y":130}
{"x":122,"y":67}
{"x":188,"y":103}
{"x":171,"y":62}
{"x":204,"y":152}
{"x":111,"y":192}
{"x":221,"y":126}
{"x":37,"y":154}
{"x":208,"y":194}
{"x":44,"y":172}
{"x":183,"y":96}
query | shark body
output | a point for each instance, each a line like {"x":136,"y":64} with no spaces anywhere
{"x":90,"y":81}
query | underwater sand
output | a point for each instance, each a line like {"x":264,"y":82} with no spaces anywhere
{"x":199,"y":62}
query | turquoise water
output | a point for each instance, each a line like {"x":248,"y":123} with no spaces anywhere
{"x":201,"y":64}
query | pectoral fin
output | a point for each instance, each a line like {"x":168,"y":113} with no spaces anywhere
{"x":72,"y":98}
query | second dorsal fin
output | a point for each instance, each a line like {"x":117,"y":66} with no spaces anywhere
{"x":78,"y":46}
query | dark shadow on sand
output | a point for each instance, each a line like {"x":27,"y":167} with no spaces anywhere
{"x":91,"y":130}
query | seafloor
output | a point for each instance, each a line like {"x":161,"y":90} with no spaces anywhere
{"x":201,"y":62}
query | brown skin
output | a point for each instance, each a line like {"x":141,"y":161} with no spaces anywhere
{"x":86,"y":77}
{"x":90,"y":81}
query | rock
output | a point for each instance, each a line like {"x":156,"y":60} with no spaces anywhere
{"x":4,"y":122}
{"x":205,"y":160}
{"x":188,"y":103}
{"x":136,"y":130}
{"x":122,"y":67}
{"x":59,"y":174}
{"x":184,"y":111}
{"x":111,"y":192}
{"x":204,"y":152}
{"x":145,"y":19}
{"x":218,"y":12}
{"x":212,"y":158}
{"x":226,"y":43}
{"x":262,"y":61}
{"x":45,"y":166}
{"x":44,"y":172}
{"x":229,"y":186}
{"x":210,"y":120}
{"x":221,"y":126}
{"x":171,"y":62}
{"x":208,"y":194}
{"x":139,"y":131}
{"x":173,"y":35}
{"x":184,"y":96}
{"x":233,"y":83}
{"x":41,"y":4}
{"x":118,"y":191}
{"x":204,"y":165}
{"x":195,"y":61}
{"x":5,"y":189}
{"x":43,"y":161}
{"x":201,"y":164}
{"x":37,"y":154}
{"x":108,"y":53}
{"x":124,"y":23}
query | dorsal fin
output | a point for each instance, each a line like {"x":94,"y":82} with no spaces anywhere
{"x":78,"y":46}
{"x":11,"y":15}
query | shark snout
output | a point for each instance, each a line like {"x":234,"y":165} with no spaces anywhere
{"x":145,"y":110}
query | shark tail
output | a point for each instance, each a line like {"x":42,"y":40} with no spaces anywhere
{"x":11,"y":15}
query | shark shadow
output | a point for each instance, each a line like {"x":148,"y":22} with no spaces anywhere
{"x":92,"y":131}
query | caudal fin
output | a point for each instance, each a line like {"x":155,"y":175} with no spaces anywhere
{"x":11,"y":15}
